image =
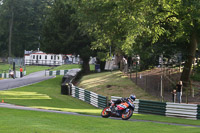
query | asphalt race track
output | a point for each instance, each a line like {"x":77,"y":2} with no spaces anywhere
{"x":6,"y":84}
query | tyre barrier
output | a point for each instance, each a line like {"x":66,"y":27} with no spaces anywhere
{"x":189,"y":111}
{"x":67,"y":88}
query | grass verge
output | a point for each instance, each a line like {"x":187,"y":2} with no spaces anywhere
{"x":113,"y":84}
{"x":20,"y":121}
{"x":71,"y":66}
{"x":47,"y":95}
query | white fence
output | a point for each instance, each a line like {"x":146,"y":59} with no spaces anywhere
{"x":182,"y":110}
{"x":189,"y":111}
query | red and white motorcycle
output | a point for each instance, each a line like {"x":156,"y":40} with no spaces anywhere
{"x":123,"y":110}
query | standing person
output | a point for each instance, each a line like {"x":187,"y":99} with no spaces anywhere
{"x":179,"y":88}
{"x":21,"y":70}
{"x":173,"y":95}
{"x":125,"y":65}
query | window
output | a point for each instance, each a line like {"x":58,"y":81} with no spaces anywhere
{"x":58,"y":57}
{"x":51,"y":57}
{"x":40,"y":57}
{"x":33,"y":56}
{"x":45,"y":56}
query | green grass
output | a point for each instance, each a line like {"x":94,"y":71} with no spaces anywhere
{"x":20,"y":121}
{"x":71,"y":66}
{"x":113,"y":84}
{"x":47,"y":95}
{"x":31,"y":69}
{"x":66,"y":67}
{"x":4,"y":67}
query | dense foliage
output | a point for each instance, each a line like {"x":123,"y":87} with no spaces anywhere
{"x":147,"y":28}
{"x":21,"y":23}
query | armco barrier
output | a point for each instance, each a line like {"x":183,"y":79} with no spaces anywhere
{"x":53,"y":73}
{"x":182,"y":110}
{"x":6,"y":75}
{"x":152,"y":107}
{"x":198,"y":112}
{"x":189,"y":111}
{"x":89,"y":97}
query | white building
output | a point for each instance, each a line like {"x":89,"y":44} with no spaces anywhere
{"x":41,"y":58}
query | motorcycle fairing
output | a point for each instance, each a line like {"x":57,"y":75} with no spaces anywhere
{"x":122,"y":106}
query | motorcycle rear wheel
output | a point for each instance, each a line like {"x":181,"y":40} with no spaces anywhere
{"x":126,"y":116}
{"x":105,"y":114}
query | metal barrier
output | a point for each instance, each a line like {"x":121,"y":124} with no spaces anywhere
{"x":89,"y":97}
{"x":189,"y":111}
{"x":198,"y":112}
{"x":152,"y":107}
{"x":182,"y":110}
{"x":53,"y":73}
{"x":6,"y":75}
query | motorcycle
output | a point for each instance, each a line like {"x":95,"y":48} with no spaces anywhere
{"x":123,"y":110}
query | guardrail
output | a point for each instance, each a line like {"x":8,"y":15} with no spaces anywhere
{"x":6,"y":75}
{"x":53,"y":73}
{"x":152,"y":107}
{"x":189,"y":111}
{"x":198,"y":112}
{"x":89,"y":97}
{"x":182,"y":110}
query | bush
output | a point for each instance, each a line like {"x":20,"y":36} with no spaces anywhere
{"x":196,"y":76}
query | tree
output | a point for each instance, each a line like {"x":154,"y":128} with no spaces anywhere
{"x":21,"y":23}
{"x":61,"y":34}
{"x":131,"y":26}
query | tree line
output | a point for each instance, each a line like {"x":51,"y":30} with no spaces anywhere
{"x":147,"y":28}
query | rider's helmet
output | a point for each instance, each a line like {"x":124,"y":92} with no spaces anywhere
{"x":133,"y":97}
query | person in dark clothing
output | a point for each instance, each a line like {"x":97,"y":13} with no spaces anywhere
{"x":173,"y":95}
{"x":179,"y":87}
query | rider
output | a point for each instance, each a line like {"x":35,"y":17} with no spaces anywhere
{"x":118,"y":101}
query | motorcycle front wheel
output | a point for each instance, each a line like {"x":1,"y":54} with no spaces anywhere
{"x":105,"y":113}
{"x":127,"y":115}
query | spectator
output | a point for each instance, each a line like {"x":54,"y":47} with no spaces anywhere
{"x":179,"y":87}
{"x":125,"y":65}
{"x":173,"y":95}
{"x":21,"y":70}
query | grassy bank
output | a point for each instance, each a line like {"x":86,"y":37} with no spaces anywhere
{"x":20,"y":121}
{"x":113,"y":84}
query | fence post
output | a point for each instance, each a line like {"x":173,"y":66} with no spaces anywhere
{"x":107,"y":101}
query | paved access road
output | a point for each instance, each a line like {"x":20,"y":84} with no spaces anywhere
{"x":6,"y":84}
